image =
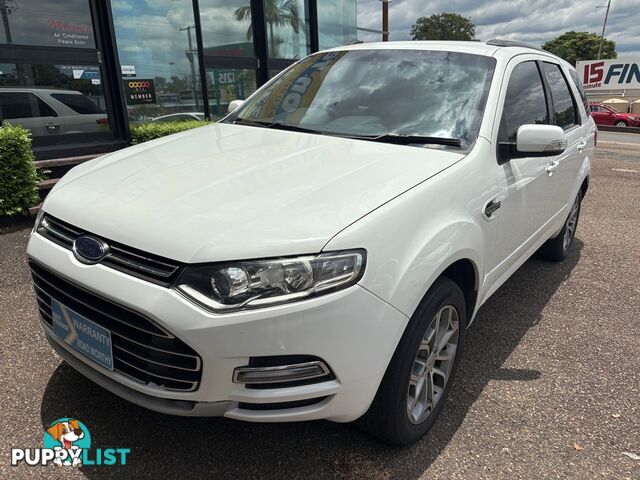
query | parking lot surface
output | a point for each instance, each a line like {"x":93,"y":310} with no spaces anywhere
{"x":619,"y":137}
{"x":549,"y":385}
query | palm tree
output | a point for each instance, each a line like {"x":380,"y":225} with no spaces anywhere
{"x":279,"y":13}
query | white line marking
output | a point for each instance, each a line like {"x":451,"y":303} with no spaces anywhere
{"x":625,"y":170}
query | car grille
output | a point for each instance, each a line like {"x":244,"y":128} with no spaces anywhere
{"x":153,"y":268}
{"x":142,"y":350}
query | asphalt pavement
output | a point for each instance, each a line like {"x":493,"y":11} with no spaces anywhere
{"x":549,"y":385}
{"x":619,"y":137}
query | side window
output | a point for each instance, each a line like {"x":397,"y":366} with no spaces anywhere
{"x":78,"y":103}
{"x":18,"y":105}
{"x":595,"y":108}
{"x":23,"y":105}
{"x":525,"y":101}
{"x":46,"y":110}
{"x":578,"y":84}
{"x":565,"y":112}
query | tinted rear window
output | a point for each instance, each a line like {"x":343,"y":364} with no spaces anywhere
{"x":583,"y":94}
{"x":78,"y":103}
{"x":563,"y":103}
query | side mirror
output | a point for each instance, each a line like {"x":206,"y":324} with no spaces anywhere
{"x":543,"y":140}
{"x":533,"y":141}
{"x":234,"y":105}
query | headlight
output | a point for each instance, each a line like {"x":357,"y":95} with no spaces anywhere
{"x":261,"y":283}
{"x":37,"y":221}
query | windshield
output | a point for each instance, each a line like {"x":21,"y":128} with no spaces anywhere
{"x":378,"y":93}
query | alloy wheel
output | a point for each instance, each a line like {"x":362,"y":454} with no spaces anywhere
{"x":572,"y":221}
{"x":433,"y":364}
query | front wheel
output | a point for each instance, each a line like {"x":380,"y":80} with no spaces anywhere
{"x":415,"y":385}
{"x":621,"y":123}
{"x":557,"y":248}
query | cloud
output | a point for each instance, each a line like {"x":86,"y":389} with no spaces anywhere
{"x":121,"y":5}
{"x":533,"y":21}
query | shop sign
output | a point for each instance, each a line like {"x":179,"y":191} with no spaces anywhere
{"x":609,"y":74}
{"x":139,"y":91}
{"x":69,"y":34}
{"x":226,"y":77}
{"x":128,"y":70}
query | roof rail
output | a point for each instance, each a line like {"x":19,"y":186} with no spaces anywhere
{"x":512,"y":43}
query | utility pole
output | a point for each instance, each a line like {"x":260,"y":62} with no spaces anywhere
{"x":385,"y":20}
{"x":385,"y":23}
{"x":604,"y":27}
{"x":189,"y":53}
{"x":6,"y":10}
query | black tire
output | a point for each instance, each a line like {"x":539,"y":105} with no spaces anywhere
{"x":388,"y":419}
{"x":555,"y":249}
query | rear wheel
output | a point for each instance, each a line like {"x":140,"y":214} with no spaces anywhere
{"x":556,"y":249}
{"x":415,"y":386}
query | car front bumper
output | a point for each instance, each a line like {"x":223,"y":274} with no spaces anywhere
{"x":354,"y":332}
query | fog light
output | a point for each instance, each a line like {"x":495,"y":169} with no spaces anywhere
{"x":281,"y":373}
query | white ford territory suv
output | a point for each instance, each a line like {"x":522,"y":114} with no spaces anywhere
{"x":320,"y":252}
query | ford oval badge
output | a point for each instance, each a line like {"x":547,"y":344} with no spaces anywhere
{"x":90,"y":249}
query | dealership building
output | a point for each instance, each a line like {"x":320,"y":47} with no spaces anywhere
{"x":79,"y":73}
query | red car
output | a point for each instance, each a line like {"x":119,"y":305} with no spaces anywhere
{"x":605,"y":115}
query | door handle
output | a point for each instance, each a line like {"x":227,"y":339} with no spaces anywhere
{"x":582,"y":145}
{"x":552,"y":167}
{"x":491,"y":207}
{"x":52,"y":126}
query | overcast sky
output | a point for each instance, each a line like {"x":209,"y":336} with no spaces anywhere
{"x":532,"y":21}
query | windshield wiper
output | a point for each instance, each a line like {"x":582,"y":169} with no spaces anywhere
{"x":399,"y":139}
{"x":276,"y":125}
{"x":394,"y":138}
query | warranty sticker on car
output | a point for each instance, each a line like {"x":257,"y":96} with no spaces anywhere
{"x":82,"y":334}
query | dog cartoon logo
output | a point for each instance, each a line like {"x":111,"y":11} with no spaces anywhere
{"x":69,"y":437}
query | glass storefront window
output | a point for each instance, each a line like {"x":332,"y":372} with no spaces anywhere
{"x":337,"y":23}
{"x":287,"y":29}
{"x":158,"y":54}
{"x":226,"y":28}
{"x":47,"y":23}
{"x":53,"y":100}
{"x":227,"y":84}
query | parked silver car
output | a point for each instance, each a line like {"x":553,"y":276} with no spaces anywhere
{"x":51,"y":112}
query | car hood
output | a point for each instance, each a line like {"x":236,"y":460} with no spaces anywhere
{"x":225,"y":192}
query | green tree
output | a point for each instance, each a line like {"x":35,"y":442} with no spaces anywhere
{"x":177,"y":84}
{"x":443,"y":26}
{"x":575,"y":46}
{"x":278,"y":13}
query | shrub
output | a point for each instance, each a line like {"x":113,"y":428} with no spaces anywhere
{"x":151,"y":131}
{"x":18,"y":176}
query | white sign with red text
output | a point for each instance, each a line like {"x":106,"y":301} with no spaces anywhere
{"x":609,"y":74}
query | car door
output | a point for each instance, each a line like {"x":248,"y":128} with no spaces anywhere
{"x":523,"y":181}
{"x":563,"y":170}
{"x":607,"y":116}
{"x":596,"y":113}
{"x":29,"y":111}
{"x":80,"y":114}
